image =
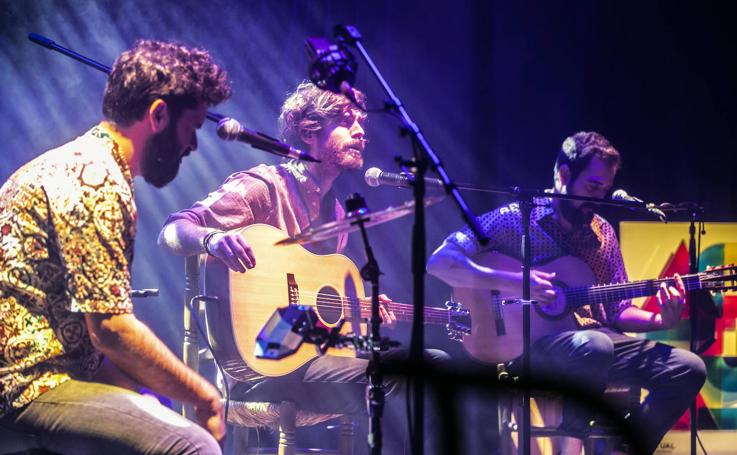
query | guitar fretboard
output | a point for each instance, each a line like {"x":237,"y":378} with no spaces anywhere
{"x":403,"y":311}
{"x":579,"y":296}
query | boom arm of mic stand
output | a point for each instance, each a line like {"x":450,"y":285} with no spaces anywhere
{"x":50,"y":44}
{"x":350,"y":35}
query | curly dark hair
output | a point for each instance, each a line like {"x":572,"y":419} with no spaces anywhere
{"x":310,"y":109}
{"x":577,"y":150}
{"x":182,"y":76}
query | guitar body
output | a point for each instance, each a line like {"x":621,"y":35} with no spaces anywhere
{"x":283,"y":275}
{"x":496,"y":331}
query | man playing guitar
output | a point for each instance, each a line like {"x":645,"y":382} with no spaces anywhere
{"x":292,"y":197}
{"x":594,"y":351}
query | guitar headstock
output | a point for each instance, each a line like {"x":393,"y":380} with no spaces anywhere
{"x":720,"y":278}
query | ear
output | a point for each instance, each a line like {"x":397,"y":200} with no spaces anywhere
{"x":158,"y":116}
{"x":563,"y":177}
{"x":308,"y":137}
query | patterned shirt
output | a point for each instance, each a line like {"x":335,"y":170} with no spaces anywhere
{"x":283,"y":196}
{"x":67,"y":223}
{"x":595,"y":244}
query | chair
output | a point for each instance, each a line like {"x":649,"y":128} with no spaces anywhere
{"x":546,"y":409}
{"x":284,"y":416}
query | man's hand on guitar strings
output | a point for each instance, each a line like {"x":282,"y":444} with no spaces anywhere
{"x":672,"y":300}
{"x":541,"y":287}
{"x":388,"y":318}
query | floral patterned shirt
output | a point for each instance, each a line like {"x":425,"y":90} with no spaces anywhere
{"x":595,"y":244}
{"x":67,"y":224}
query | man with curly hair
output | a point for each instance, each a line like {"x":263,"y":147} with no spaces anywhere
{"x":72,"y":353}
{"x":291,"y":196}
{"x":597,"y":351}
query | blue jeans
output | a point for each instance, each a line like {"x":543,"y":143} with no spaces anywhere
{"x":79,"y":418}
{"x":591,"y":359}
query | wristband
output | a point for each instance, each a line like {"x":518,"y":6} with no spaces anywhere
{"x":206,"y":240}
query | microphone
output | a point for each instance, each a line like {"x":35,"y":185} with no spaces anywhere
{"x":333,"y":67}
{"x":138,"y":293}
{"x":231,"y":130}
{"x":376,"y":177}
{"x":622,"y":195}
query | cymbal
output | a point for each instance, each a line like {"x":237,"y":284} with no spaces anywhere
{"x":347,"y":225}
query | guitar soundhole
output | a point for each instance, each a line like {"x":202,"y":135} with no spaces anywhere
{"x":329,"y":305}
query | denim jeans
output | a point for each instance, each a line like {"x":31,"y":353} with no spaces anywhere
{"x":588,"y":360}
{"x":79,"y":418}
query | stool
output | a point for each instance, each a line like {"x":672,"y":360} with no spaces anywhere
{"x":286,"y":418}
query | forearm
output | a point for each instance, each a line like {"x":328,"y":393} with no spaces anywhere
{"x":458,"y":270}
{"x":133,"y":348}
{"x":634,"y":319}
{"x":183,"y":237}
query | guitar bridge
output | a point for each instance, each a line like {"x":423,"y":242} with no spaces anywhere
{"x":497,"y":308}
{"x":292,"y":290}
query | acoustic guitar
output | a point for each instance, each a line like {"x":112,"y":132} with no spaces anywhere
{"x":292,"y":275}
{"x":496,"y":326}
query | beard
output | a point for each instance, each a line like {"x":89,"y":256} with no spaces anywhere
{"x":577,"y":216}
{"x":161,"y":157}
{"x":352,"y":157}
{"x":343,"y":158}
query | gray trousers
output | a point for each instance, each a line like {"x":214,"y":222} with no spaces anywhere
{"x":79,"y":418}
{"x":337,"y":385}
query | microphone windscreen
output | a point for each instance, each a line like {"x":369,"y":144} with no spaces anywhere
{"x":620,"y":195}
{"x":372,"y":176}
{"x":228,"y":129}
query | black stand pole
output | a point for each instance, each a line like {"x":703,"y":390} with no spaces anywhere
{"x":693,"y":267}
{"x":525,"y":206}
{"x":422,"y":151}
{"x":418,"y":327}
{"x":355,"y":205}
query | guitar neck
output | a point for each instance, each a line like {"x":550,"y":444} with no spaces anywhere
{"x":403,"y":311}
{"x":579,"y":296}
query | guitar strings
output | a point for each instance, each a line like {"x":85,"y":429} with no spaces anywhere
{"x":332,"y":301}
{"x":598,"y":293}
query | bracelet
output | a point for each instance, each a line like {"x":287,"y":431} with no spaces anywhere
{"x":206,"y":240}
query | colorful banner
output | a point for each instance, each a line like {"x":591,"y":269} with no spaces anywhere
{"x":653,"y":250}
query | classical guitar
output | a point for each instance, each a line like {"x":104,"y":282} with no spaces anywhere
{"x":496,"y":324}
{"x":291,"y":275}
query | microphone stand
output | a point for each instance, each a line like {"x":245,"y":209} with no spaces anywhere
{"x":50,"y":44}
{"x":375,"y":398}
{"x":693,"y":267}
{"x":350,"y":35}
{"x":526,"y":198}
{"x":257,"y":140}
{"x":696,"y":214}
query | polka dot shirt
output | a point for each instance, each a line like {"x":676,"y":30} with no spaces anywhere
{"x":596,"y":245}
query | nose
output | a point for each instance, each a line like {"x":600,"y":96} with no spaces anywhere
{"x":357,"y":130}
